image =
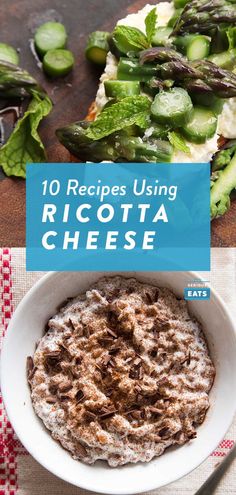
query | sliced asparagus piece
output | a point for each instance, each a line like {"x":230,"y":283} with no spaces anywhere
{"x":221,"y":189}
{"x":131,"y":70}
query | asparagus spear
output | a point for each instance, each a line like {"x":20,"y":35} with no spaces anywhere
{"x":224,"y":181}
{"x":16,"y":82}
{"x":200,"y":75}
{"x":200,"y":16}
{"x":117,"y":146}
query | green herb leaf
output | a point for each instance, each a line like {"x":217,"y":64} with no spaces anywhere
{"x":24,"y":145}
{"x":128,"y":39}
{"x":231,"y":35}
{"x":150,"y":23}
{"x":178,"y":142}
{"x":129,"y":111}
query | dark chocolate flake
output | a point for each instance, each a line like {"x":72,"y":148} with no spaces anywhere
{"x":81,"y":450}
{"x":164,"y":433}
{"x":107,"y":413}
{"x":90,"y":416}
{"x":79,"y":396}
{"x":51,"y":400}
{"x":30,"y":368}
{"x":112,"y":333}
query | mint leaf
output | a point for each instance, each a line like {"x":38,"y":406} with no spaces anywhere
{"x":24,"y":145}
{"x":128,"y":39}
{"x":178,"y":142}
{"x":150,"y":23}
{"x":129,"y":111}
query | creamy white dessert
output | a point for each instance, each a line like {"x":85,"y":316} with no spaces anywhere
{"x":122,"y":372}
{"x":226,"y":124}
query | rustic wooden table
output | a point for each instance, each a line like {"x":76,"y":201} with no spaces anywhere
{"x":72,"y":96}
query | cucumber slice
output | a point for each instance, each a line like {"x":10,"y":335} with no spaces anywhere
{"x":131,"y":70}
{"x":172,"y":107}
{"x":8,"y":54}
{"x":50,"y":36}
{"x":161,"y":36}
{"x":97,"y":47}
{"x":121,"y":89}
{"x":58,"y":63}
{"x":226,"y":60}
{"x":202,"y":125}
{"x":209,"y":101}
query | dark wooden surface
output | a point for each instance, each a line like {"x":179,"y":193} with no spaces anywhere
{"x":71,"y":96}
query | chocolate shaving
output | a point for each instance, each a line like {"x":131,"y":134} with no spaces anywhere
{"x":114,"y":350}
{"x":155,"y":411}
{"x":30,"y":368}
{"x":148,"y":298}
{"x":107,"y":413}
{"x":79,"y":396}
{"x":112,"y":333}
{"x":53,"y":388}
{"x":64,"y":387}
{"x":89,"y":416}
{"x":51,"y":400}
{"x":64,"y":398}
{"x":164,"y":433}
{"x":81,"y":450}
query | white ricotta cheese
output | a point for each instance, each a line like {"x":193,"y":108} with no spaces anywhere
{"x":199,"y":153}
{"x":227,"y":119}
{"x":164,"y":10}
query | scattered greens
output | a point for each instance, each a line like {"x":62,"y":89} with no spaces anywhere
{"x":224,"y":182}
{"x":171,"y":85}
{"x":150,"y":23}
{"x":129,"y":39}
{"x":50,"y":36}
{"x":50,"y":41}
{"x":24,"y":145}
{"x":178,"y":142}
{"x":58,"y":63}
{"x":129,"y":111}
{"x":97,"y":47}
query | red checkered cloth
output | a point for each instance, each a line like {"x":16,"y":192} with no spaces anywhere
{"x":19,"y":473}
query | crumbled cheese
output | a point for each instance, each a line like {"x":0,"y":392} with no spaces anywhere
{"x":199,"y":153}
{"x":165,"y":11}
{"x":227,"y":119}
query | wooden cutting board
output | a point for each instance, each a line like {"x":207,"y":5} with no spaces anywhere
{"x":71,"y":96}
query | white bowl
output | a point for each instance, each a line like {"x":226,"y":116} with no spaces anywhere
{"x":27,"y":326}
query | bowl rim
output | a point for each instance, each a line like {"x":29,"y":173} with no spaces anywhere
{"x":151,"y":484}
